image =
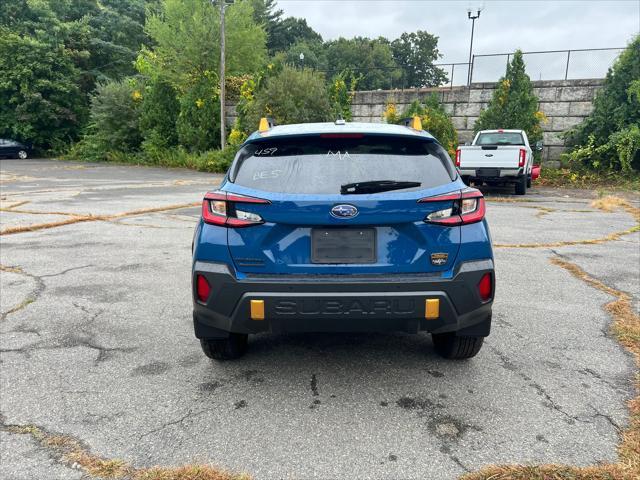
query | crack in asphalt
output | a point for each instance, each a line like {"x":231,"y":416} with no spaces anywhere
{"x":177,"y":421}
{"x":549,"y":402}
{"x":33,"y":295}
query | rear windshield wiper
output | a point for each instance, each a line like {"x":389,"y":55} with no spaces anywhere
{"x":376,"y":186}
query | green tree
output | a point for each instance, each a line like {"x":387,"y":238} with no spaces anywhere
{"x":314,"y":55}
{"x":291,"y":96}
{"x":40,"y":101}
{"x":371,"y":59}
{"x":186,"y":56}
{"x":610,"y":136}
{"x":513,"y":105}
{"x":415,"y":53}
{"x":433,"y":117}
{"x":186,"y":37}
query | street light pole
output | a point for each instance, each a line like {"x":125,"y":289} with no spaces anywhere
{"x":223,"y":132}
{"x":473,"y":25}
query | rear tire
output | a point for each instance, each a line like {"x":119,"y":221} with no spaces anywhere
{"x":521,"y":185}
{"x":22,"y":154}
{"x":229,"y":348}
{"x":466,"y":180}
{"x":528,"y":181}
{"x":448,"y":345}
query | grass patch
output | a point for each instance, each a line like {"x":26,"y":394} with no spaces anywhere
{"x":588,"y":179}
{"x":74,"y":454}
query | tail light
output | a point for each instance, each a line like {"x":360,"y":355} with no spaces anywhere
{"x":466,"y":207}
{"x":485,"y":287}
{"x":457,"y":157}
{"x":203,"y":289}
{"x":523,"y":157}
{"x":220,"y":208}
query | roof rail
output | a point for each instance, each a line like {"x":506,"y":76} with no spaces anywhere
{"x":266,"y":123}
{"x":412,"y":122}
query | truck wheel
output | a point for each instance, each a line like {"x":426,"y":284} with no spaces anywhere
{"x":448,"y":345}
{"x":521,"y":185}
{"x":466,"y":180}
{"x":528,"y":181}
{"x":229,"y":348}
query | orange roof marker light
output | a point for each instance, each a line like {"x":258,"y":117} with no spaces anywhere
{"x":413,"y":122}
{"x":265,"y":124}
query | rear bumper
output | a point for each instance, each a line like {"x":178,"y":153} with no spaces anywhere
{"x":347,"y":303}
{"x":493,"y":173}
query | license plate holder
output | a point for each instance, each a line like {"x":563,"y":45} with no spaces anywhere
{"x":343,"y":245}
{"x":488,"y":172}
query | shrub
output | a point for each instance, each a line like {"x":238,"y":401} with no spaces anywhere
{"x":198,"y":124}
{"x":513,"y":105}
{"x":159,"y":112}
{"x":434,"y":120}
{"x":610,"y":138}
{"x":341,"y":94}
{"x":113,"y":122}
{"x":290,"y":96}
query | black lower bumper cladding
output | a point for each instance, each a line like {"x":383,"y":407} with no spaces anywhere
{"x":348,"y":303}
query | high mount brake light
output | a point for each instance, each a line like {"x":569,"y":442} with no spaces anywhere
{"x":466,"y":207}
{"x":219,"y":208}
{"x":342,"y":135}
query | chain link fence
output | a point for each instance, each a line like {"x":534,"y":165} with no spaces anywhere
{"x":543,"y":65}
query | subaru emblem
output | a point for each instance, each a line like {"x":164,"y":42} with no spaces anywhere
{"x":344,"y":211}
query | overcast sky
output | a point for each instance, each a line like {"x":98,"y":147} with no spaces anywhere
{"x":503,"y":26}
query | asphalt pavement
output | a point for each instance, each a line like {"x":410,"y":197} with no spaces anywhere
{"x":96,"y":343}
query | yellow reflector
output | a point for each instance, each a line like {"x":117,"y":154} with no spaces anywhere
{"x":257,"y":309}
{"x":416,"y":123}
{"x":431,"y":308}
{"x":264,"y":124}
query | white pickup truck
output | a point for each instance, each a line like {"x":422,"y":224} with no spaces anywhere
{"x":498,"y":157}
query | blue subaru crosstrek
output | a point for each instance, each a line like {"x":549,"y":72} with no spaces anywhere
{"x":342,"y":227}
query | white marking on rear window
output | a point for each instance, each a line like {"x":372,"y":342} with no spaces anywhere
{"x":341,"y":155}
{"x":262,"y":174}
{"x":265,"y":152}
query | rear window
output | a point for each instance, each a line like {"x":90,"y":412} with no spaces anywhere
{"x":321,"y":165}
{"x":500,"y":138}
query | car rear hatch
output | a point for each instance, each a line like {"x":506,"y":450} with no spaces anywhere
{"x":305,"y":210}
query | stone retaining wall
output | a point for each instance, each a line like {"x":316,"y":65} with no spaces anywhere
{"x":564,"y":102}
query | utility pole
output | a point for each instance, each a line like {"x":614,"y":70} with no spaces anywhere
{"x":473,"y":25}
{"x":223,"y":132}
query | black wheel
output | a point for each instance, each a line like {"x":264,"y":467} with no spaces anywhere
{"x":521,"y":185}
{"x":528,"y":181}
{"x":448,"y":345}
{"x":229,"y":348}
{"x":22,"y":154}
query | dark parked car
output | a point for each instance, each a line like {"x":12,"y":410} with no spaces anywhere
{"x":13,"y":149}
